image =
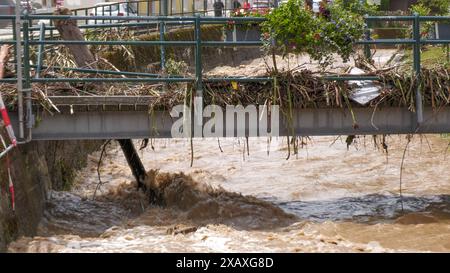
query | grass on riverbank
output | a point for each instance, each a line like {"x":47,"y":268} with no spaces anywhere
{"x":432,"y":56}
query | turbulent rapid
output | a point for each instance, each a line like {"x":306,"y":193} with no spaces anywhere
{"x":239,"y":198}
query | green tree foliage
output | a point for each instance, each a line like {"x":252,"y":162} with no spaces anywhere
{"x":422,"y":10}
{"x":439,"y":7}
{"x":356,"y":6}
{"x":384,"y":5}
{"x":298,"y":30}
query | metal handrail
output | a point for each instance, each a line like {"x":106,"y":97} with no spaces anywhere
{"x":197,"y":22}
{"x":157,"y":19}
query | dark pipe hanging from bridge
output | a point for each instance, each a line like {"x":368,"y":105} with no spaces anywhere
{"x":84,"y":58}
{"x":134,"y":162}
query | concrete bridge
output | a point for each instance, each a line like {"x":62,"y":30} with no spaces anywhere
{"x":139,"y":124}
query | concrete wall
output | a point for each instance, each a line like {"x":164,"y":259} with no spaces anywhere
{"x":36,"y":168}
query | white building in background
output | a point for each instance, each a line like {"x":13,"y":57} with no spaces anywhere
{"x":153,"y":7}
{"x":71,"y":4}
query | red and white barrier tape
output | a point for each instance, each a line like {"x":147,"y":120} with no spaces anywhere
{"x":8,"y":166}
{"x":12,"y":138}
{"x":11,"y":185}
{"x":7,"y":122}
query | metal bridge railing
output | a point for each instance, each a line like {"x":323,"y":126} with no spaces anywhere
{"x":195,"y":21}
{"x":417,"y":43}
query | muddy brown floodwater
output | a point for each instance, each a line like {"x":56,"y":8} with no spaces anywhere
{"x":326,"y":199}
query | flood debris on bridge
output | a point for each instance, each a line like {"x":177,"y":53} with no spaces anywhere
{"x":300,"y":89}
{"x":60,"y":74}
{"x":303,"y":88}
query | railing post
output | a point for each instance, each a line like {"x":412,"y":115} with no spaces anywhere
{"x":26,"y":55}
{"x":162,"y":31}
{"x":367,"y":53}
{"x":51,"y":29}
{"x":15,"y":44}
{"x":198,"y":54}
{"x":27,"y":78}
{"x":103,"y":14}
{"x":19,"y":68}
{"x":198,"y":100}
{"x":417,"y":69}
{"x":40,"y":49}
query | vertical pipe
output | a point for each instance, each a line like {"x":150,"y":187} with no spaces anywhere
{"x":367,"y":53}
{"x":110,"y":14}
{"x":162,"y":31}
{"x":134,"y":162}
{"x":417,"y":69}
{"x":29,"y":10}
{"x":51,"y":29}
{"x":40,"y":49}
{"x":198,"y":99}
{"x":198,"y":55}
{"x":19,"y":71}
{"x":15,"y":44}
{"x":27,"y":76}
{"x":26,"y":56}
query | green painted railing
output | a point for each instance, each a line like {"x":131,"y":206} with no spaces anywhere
{"x":196,"y":22}
{"x":416,"y":42}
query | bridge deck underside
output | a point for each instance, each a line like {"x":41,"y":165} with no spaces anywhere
{"x":306,"y":122}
